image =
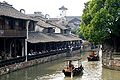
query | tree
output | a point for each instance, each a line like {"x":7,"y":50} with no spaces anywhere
{"x":101,"y":22}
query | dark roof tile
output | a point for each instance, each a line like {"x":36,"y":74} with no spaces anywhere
{"x":37,"y":37}
{"x":44,"y":24}
{"x":7,"y":10}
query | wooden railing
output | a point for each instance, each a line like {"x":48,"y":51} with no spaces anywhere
{"x":32,"y":57}
{"x":12,"y":61}
{"x":76,"y":48}
{"x":12,"y":33}
{"x":46,"y":54}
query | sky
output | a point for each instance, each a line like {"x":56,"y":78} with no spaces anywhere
{"x":51,"y":7}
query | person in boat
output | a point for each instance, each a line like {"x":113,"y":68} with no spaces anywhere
{"x":93,"y":54}
{"x":71,"y":66}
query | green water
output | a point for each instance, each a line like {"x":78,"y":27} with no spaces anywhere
{"x":53,"y":71}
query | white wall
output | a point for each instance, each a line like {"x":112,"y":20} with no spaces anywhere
{"x":38,"y":28}
{"x":57,"y":30}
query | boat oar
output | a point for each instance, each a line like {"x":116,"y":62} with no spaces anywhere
{"x":71,"y":73}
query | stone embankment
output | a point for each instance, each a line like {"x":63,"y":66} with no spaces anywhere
{"x":17,"y":66}
{"x":113,"y":64}
{"x":111,"y":60}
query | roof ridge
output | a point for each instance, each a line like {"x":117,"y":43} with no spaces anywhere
{"x":5,"y":4}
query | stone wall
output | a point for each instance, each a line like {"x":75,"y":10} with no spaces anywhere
{"x":14,"y":67}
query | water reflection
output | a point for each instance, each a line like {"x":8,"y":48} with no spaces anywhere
{"x":92,"y":71}
{"x":110,"y":74}
{"x":53,"y":71}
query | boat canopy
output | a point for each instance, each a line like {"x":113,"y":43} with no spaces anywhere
{"x":73,"y":58}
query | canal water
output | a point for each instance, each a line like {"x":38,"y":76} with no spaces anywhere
{"x":53,"y":71}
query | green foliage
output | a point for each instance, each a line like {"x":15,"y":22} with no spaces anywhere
{"x":100,"y":20}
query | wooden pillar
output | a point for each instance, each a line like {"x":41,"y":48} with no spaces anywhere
{"x":15,"y":52}
{"x":50,"y":46}
{"x":61,"y":45}
{"x":4,"y":45}
{"x":53,"y":46}
{"x":44,"y":47}
{"x":76,"y":43}
{"x":40,"y":45}
{"x":26,"y":40}
{"x":23,"y":48}
{"x":35,"y":47}
{"x":4,"y":52}
{"x":56,"y":45}
{"x":66,"y":45}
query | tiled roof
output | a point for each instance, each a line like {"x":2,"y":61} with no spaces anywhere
{"x":7,"y":10}
{"x":57,"y":25}
{"x":63,"y":8}
{"x":37,"y":37}
{"x":69,"y":18}
{"x":44,"y":24}
{"x":36,"y":17}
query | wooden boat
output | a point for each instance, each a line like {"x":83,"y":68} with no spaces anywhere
{"x":93,"y":57}
{"x":71,"y":70}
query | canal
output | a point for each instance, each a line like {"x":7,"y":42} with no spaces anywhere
{"x":53,"y":71}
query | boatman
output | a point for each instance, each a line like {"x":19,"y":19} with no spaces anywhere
{"x":93,"y":54}
{"x":71,"y":66}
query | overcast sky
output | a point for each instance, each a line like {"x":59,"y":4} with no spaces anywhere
{"x":51,"y":7}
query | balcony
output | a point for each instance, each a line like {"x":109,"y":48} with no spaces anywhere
{"x":13,"y":33}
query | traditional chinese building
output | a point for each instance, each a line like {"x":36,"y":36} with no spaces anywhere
{"x":23,"y":39}
{"x":51,"y":37}
{"x":13,"y":32}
